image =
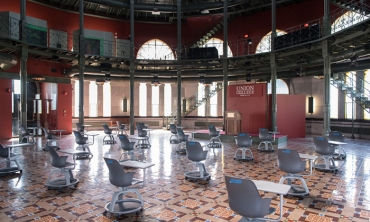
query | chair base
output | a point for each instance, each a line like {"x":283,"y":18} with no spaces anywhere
{"x":10,"y":170}
{"x":339,"y":154}
{"x":243,"y":156}
{"x":181,"y":148}
{"x":111,"y":139}
{"x":60,"y":183}
{"x":124,"y":206}
{"x":329,"y":164}
{"x":200,"y":174}
{"x":266,"y":147}
{"x":295,"y":190}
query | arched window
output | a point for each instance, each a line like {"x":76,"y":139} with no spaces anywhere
{"x":346,"y":20}
{"x":265,"y":44}
{"x":155,"y":49}
{"x":219,"y":44}
{"x":281,"y":87}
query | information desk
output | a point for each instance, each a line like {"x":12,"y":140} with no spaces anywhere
{"x":138,"y":165}
{"x":281,"y":189}
{"x":58,"y":131}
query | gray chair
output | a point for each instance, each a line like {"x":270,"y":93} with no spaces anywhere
{"x":215,"y":141}
{"x":142,"y":143}
{"x":108,"y":133}
{"x":142,"y":125}
{"x":244,"y":141}
{"x":82,"y":143}
{"x":326,"y":151}
{"x":290,"y":162}
{"x":8,"y":157}
{"x":80,"y":128}
{"x":266,"y":139}
{"x":245,"y":200}
{"x":196,"y":154}
{"x":121,"y":128}
{"x":120,"y":203}
{"x":127,"y":147}
{"x":182,"y":138}
{"x":26,"y":134}
{"x":174,"y":137}
{"x":50,"y":138}
{"x":65,"y":168}
{"x":339,"y":153}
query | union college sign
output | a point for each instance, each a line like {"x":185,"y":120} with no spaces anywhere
{"x":249,"y":90}
{"x":246,"y":90}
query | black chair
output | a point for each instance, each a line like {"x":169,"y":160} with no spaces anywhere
{"x":182,"y":138}
{"x":119,"y":203}
{"x":196,"y":154}
{"x":121,"y":128}
{"x":26,"y":134}
{"x":266,"y":139}
{"x":80,"y":128}
{"x":108,"y":133}
{"x":82,"y":143}
{"x":50,"y":138}
{"x":144,"y":141}
{"x":65,"y":168}
{"x":127,"y":147}
{"x":290,"y":162}
{"x":142,"y":125}
{"x":326,"y":151}
{"x":337,"y":136}
{"x":174,"y":138}
{"x":245,"y":200}
{"x":8,"y":157}
{"x":215,"y":141}
{"x":244,"y":141}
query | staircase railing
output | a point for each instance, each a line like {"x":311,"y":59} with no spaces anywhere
{"x":192,"y":103}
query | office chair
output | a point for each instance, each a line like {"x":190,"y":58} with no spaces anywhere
{"x":182,"y":139}
{"x":82,"y":144}
{"x":140,"y":124}
{"x":290,"y":162}
{"x":108,"y":133}
{"x":245,"y":200}
{"x":50,"y":138}
{"x":142,"y":143}
{"x":64,"y":168}
{"x":80,"y":128}
{"x":9,"y":157}
{"x":196,"y":154}
{"x":339,"y":153}
{"x":119,"y":203}
{"x":121,"y":128}
{"x":127,"y":147}
{"x":244,"y":141}
{"x":174,"y":138}
{"x":266,"y":139}
{"x":215,"y":141}
{"x":26,"y":134}
{"x":326,"y":151}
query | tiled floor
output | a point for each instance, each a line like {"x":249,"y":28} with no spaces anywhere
{"x":344,"y":196}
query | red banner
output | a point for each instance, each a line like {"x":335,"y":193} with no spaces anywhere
{"x":250,"y":90}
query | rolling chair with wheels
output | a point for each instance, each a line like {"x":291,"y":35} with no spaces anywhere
{"x":121,"y":128}
{"x":64,"y":168}
{"x":266,"y":140}
{"x":215,"y":141}
{"x":339,"y":151}
{"x":244,"y":141}
{"x":290,"y":162}
{"x":80,"y":128}
{"x":108,"y":133}
{"x":174,"y":139}
{"x":120,"y":204}
{"x":142,"y":143}
{"x":127,"y":147}
{"x":26,"y":134}
{"x":50,"y":138}
{"x":196,"y":154}
{"x":326,"y":151}
{"x":245,"y":200}
{"x":182,"y":139}
{"x":82,"y":144}
{"x":9,"y":157}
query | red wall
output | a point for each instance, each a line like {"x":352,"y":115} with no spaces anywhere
{"x":6,"y":109}
{"x":64,"y":108}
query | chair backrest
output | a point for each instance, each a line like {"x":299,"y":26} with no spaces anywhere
{"x":290,"y":162}
{"x":243,"y":140}
{"x":56,"y":160}
{"x":141,"y":132}
{"x":244,"y":198}
{"x":125,"y":142}
{"x":322,"y":146}
{"x":213,"y":131}
{"x":195,"y":151}
{"x":264,"y":134}
{"x":173,"y":128}
{"x":117,"y":175}
{"x":120,"y":125}
{"x":79,"y":139}
{"x":23,"y":131}
{"x":80,"y":127}
{"x":47,"y":134}
{"x":181,"y":135}
{"x":4,"y":152}
{"x":106,"y":129}
{"x":140,"y":124}
{"x":336,"y":136}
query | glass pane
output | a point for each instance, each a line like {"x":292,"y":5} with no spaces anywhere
{"x":143,"y":99}
{"x":107,"y":99}
{"x":155,"y":101}
{"x":201,"y":108}
{"x":333,"y":102}
{"x":76,"y":90}
{"x":366,"y":93}
{"x":93,"y":99}
{"x":219,"y":44}
{"x":155,"y":49}
{"x":265,"y":44}
{"x":281,"y":87}
{"x":213,"y":102}
{"x":167,"y":99}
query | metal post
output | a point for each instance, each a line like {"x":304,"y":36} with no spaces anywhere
{"x":273,"y":65}
{"x":179,"y":94}
{"x":327,"y":66}
{"x":225,"y":62}
{"x":353,"y":123}
{"x":23,"y":65}
{"x":132,"y":66}
{"x":81,"y":65}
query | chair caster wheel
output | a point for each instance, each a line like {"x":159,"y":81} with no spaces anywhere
{"x":20,"y":171}
{"x":105,"y":213}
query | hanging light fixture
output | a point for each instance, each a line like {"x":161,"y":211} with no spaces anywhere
{"x":37,"y":77}
{"x":100,"y":82}
{"x":155,"y":81}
